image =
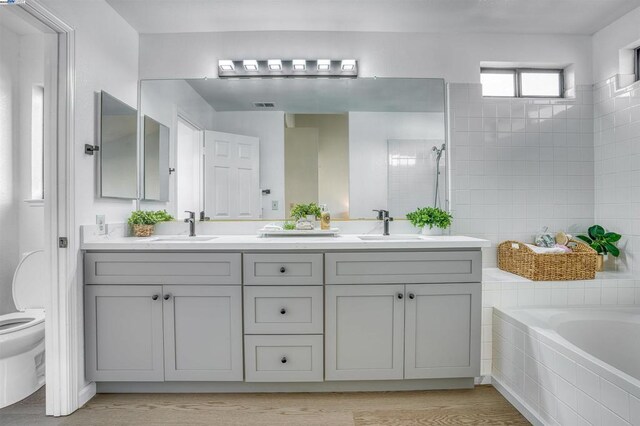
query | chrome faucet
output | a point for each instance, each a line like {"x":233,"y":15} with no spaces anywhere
{"x":191,"y":220}
{"x":383,"y":215}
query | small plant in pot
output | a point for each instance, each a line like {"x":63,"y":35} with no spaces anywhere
{"x":602,"y":242}
{"x":305,"y":215}
{"x":431,"y":220}
{"x":143,"y":221}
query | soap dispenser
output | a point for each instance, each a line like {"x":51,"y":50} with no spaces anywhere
{"x":325,"y":218}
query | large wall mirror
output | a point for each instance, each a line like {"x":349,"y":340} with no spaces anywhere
{"x":118,"y":135}
{"x":252,"y":148}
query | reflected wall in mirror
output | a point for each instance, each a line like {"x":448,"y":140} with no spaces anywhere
{"x":118,"y":131}
{"x":329,"y":141}
{"x":156,"y":160}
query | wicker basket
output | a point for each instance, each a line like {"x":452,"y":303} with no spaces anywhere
{"x":517,"y":258}
{"x":142,"y":230}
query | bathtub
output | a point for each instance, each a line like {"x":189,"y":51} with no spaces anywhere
{"x":569,"y":366}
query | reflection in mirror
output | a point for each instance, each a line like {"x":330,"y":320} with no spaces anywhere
{"x":156,"y":160}
{"x":330,"y":141}
{"x":118,"y":148}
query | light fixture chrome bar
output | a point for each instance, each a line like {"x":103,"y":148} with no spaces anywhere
{"x":288,"y":68}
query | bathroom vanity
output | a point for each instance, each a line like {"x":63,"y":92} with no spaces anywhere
{"x":233,"y":312}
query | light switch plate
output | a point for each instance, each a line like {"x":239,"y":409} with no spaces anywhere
{"x":101,"y":222}
{"x":274,"y":205}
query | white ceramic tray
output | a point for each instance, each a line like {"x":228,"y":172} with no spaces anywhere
{"x":299,"y":233}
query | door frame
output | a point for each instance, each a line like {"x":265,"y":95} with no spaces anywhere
{"x":173,"y":197}
{"x":62,"y":293}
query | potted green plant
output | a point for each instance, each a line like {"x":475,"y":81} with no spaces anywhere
{"x":143,"y":221}
{"x":603,"y":243}
{"x":431,"y":220}
{"x":309,"y":211}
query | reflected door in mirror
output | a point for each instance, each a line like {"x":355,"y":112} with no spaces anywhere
{"x":232,"y":176}
{"x":156,"y":160}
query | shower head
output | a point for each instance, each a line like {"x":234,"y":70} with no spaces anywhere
{"x":438,"y":151}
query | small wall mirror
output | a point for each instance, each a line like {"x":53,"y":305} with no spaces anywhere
{"x":118,"y":136}
{"x":156,"y":160}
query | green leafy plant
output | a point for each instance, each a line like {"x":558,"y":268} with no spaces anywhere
{"x":303,"y":210}
{"x":430,"y":216}
{"x":289,"y":226}
{"x":602,"y":241}
{"x":149,"y":217}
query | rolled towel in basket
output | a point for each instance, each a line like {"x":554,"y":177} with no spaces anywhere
{"x":557,"y":249}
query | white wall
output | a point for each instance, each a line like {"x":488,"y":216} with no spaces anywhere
{"x":623,"y":33}
{"x":9,"y":117}
{"x":269,"y":127}
{"x":106,"y":59}
{"x":368,"y":136}
{"x":455,"y":57}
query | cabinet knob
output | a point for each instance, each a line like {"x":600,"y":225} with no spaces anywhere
{"x":154,"y":297}
{"x":412,"y":296}
{"x":400,"y":295}
{"x":283,"y":311}
{"x":167,"y":296}
{"x":284,"y":360}
{"x":283,"y":269}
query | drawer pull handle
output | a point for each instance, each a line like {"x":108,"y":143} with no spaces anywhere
{"x":283,"y":311}
{"x":167,"y":296}
{"x":400,"y":296}
{"x":412,"y":296}
{"x":284,"y":360}
{"x":283,"y":269}
{"x":154,"y":297}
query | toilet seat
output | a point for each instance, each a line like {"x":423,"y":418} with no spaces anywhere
{"x":17,"y":321}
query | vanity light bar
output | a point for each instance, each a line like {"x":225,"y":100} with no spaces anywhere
{"x":288,"y":68}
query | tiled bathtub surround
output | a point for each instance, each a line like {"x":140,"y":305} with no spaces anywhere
{"x":617,"y":165}
{"x":559,"y":385}
{"x":520,"y":164}
{"x":504,"y":290}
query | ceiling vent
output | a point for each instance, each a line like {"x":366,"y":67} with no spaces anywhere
{"x":264,"y":105}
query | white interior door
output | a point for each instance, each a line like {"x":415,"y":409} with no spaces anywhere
{"x":188,"y":176}
{"x":232,"y":176}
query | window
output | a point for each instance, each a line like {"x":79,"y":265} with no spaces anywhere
{"x":522,"y":82}
{"x":37,"y":143}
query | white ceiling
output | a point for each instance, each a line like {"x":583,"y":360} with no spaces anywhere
{"x":431,"y":16}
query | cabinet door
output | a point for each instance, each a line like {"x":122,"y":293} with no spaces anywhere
{"x":364,"y":333}
{"x":203,"y":333}
{"x":123,"y":333}
{"x":442,"y":335}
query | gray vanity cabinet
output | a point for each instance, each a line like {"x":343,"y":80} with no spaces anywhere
{"x":442,"y":331}
{"x":202,"y":333}
{"x":364,"y":333}
{"x":124,"y":333}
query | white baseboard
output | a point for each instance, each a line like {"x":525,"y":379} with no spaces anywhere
{"x":520,"y":405}
{"x":86,"y":393}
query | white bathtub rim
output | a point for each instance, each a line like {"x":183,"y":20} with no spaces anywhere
{"x":560,"y":344}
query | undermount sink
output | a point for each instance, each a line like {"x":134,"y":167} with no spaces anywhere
{"x":182,"y":238}
{"x":391,"y":237}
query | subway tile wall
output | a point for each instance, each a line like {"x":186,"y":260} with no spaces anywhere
{"x":520,"y":164}
{"x":617,"y":166}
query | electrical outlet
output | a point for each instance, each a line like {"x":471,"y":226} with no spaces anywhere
{"x":274,"y":205}
{"x":101,"y":222}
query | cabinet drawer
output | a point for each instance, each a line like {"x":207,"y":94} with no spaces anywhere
{"x":403,"y":267}
{"x":283,"y":269}
{"x":162,"y":268}
{"x":283,"y":358}
{"x":283,"y":310}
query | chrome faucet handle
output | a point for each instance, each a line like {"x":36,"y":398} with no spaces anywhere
{"x":192,"y":215}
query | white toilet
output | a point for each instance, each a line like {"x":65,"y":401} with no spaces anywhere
{"x":22,"y":333}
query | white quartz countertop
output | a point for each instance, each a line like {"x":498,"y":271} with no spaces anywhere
{"x":254,"y":242}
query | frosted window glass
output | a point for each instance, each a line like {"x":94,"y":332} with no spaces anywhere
{"x":540,"y":84}
{"x":498,"y":84}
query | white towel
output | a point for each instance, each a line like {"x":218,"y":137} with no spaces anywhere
{"x":546,"y":250}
